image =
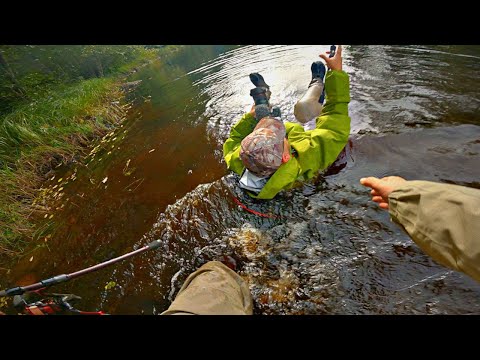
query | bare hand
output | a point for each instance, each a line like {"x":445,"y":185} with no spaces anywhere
{"x":252,"y":110}
{"x":382,"y":188}
{"x":335,"y":62}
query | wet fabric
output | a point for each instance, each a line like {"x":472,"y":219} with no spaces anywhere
{"x":316,"y":149}
{"x":443,"y":220}
{"x":214,"y":289}
{"x":252,"y":182}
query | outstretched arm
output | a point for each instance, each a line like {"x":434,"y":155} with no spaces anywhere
{"x":320,"y":147}
{"x":334,"y":114}
{"x":442,"y":219}
{"x":382,"y":188}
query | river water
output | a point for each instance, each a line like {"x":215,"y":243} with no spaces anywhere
{"x":330,"y":250}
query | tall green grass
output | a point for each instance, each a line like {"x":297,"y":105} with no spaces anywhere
{"x":49,"y":120}
{"x":35,"y":136}
{"x":53,"y":127}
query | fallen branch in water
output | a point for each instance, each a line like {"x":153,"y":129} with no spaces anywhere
{"x":138,"y":180}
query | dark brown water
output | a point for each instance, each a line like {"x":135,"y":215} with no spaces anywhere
{"x":415,"y":113}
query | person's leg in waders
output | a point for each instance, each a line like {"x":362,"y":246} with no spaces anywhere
{"x":309,"y":107}
{"x":214,"y":289}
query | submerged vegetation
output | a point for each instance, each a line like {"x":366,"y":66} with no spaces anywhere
{"x":53,"y":101}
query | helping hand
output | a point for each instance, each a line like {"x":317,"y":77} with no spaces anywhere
{"x":382,"y":188}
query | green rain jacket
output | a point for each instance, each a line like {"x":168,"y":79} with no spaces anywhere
{"x":315,"y":149}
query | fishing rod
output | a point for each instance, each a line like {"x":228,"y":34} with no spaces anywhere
{"x":66,"y":277}
{"x":61,"y":300}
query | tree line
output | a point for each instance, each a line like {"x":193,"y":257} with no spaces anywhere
{"x":28,"y":72}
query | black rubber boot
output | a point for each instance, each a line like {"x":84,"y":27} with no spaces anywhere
{"x":260,"y":97}
{"x":318,"y":75}
{"x":258,"y":80}
{"x":318,"y":70}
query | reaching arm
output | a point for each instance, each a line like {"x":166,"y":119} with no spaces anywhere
{"x":334,"y":116}
{"x":442,"y":219}
{"x":320,"y":147}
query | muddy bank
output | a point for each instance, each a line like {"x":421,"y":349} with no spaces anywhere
{"x":27,"y":188}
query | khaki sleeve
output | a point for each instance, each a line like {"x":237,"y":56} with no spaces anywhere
{"x":443,"y":220}
{"x":214,"y":289}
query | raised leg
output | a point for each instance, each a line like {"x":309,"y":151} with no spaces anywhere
{"x":309,"y":106}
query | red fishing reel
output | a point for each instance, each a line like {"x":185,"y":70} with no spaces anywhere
{"x":39,"y":303}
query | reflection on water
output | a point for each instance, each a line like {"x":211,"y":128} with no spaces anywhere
{"x":414,"y":114}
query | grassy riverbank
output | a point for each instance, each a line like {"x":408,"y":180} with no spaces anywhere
{"x":51,"y":128}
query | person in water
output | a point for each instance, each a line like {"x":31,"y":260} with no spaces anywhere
{"x":271,"y":156}
{"x":442,"y":219}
